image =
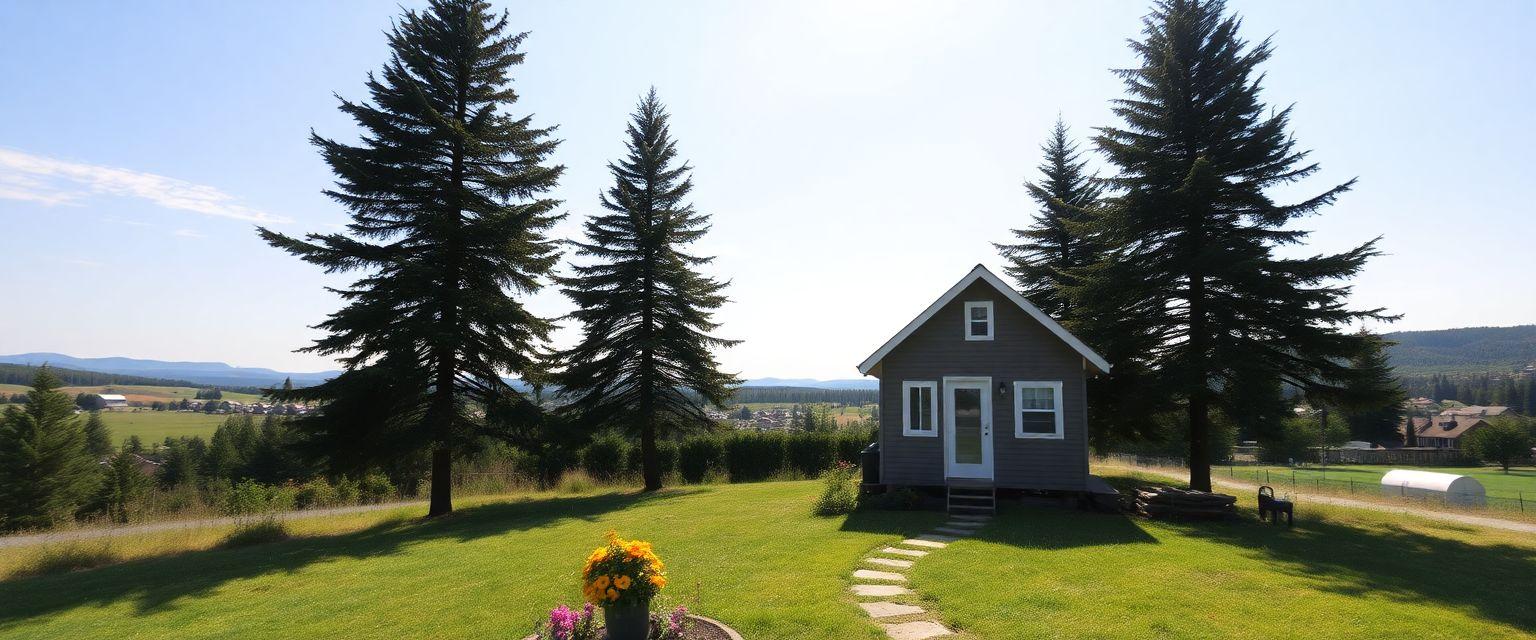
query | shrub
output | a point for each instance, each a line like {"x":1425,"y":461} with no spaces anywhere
{"x":375,"y":488}
{"x":751,"y":456}
{"x":897,"y":499}
{"x":315,"y":493}
{"x":841,"y":495}
{"x":810,"y":453}
{"x":604,"y":458}
{"x":575,"y":481}
{"x":698,"y":456}
{"x":348,"y":490}
{"x":851,"y":443}
{"x":247,"y":497}
{"x":257,"y":531}
{"x":666,"y":454}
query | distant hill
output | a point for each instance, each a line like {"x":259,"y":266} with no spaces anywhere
{"x":23,"y":375}
{"x":200,"y":373}
{"x":1467,"y":350}
{"x":866,"y":383}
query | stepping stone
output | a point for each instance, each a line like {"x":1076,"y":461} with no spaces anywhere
{"x":955,"y":532}
{"x":910,"y":553}
{"x":870,"y":574}
{"x":889,"y":609}
{"x":920,"y":630}
{"x":924,"y":542}
{"x":880,"y":590}
{"x":964,"y":524}
{"x":937,"y":537}
{"x":970,"y":518}
{"x":887,"y":562}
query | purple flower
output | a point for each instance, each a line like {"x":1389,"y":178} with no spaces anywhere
{"x":562,"y":623}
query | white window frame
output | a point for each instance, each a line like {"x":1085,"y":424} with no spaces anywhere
{"x":1018,"y":409}
{"x":933,"y":408}
{"x":991,"y":319}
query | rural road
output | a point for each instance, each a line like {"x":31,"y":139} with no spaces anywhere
{"x":1481,"y":521}
{"x":94,"y":533}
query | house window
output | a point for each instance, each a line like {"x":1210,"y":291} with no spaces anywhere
{"x":978,"y":320}
{"x":920,"y":415}
{"x":1037,"y":410}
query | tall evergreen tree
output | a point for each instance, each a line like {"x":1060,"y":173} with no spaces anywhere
{"x":46,"y":474}
{"x":122,"y":486}
{"x":1051,"y":251}
{"x":98,"y":438}
{"x":445,"y":192}
{"x":1195,"y":231}
{"x":1372,"y":398}
{"x":644,"y":361}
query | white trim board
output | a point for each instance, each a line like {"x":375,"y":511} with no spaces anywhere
{"x":982,"y":273}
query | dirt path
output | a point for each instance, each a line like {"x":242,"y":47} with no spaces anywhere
{"x":1481,"y":521}
{"x":180,"y":525}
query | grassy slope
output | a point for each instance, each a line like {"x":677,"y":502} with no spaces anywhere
{"x":1340,"y":573}
{"x":752,"y":552}
{"x":1368,"y":477}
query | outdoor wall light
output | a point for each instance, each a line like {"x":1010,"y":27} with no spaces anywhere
{"x":1002,"y":388}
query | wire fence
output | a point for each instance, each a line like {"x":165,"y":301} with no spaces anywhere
{"x":1314,"y":479}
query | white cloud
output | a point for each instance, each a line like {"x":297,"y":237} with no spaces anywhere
{"x":186,"y":233}
{"x":51,"y":182}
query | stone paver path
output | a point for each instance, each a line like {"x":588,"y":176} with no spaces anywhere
{"x":900,"y":620}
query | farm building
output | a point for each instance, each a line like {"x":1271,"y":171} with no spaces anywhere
{"x":987,"y":391}
{"x":114,"y":401}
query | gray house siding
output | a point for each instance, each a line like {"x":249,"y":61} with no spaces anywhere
{"x":1021,"y":349}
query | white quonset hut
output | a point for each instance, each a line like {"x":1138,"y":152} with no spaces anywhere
{"x":1453,"y":489}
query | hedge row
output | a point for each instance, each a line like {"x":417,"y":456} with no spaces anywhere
{"x":743,"y":456}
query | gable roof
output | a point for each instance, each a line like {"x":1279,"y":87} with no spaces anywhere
{"x":983,"y":274}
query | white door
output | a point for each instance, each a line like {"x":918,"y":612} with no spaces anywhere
{"x":968,"y":428}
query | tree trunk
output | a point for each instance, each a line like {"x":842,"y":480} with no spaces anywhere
{"x":1199,"y":447}
{"x":442,"y":482}
{"x":649,"y":460}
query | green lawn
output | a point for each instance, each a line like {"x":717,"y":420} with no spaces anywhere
{"x":751,"y":553}
{"x":1045,"y":573}
{"x":1368,"y":477}
{"x":154,"y":426}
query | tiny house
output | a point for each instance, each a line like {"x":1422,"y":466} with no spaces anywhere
{"x":983,"y":390}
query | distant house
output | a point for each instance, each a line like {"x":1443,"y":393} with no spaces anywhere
{"x":113,"y":401}
{"x":984,"y":389}
{"x":1421,"y":403}
{"x":1445,"y":430}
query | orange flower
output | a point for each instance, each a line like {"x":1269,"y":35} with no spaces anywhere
{"x":659,"y":581}
{"x":622,"y":582}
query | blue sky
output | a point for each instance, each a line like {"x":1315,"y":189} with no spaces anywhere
{"x":858,"y":157}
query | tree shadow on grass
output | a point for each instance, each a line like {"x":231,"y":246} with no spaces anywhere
{"x":155,"y":584}
{"x":1391,"y":561}
{"x":1383,"y":559}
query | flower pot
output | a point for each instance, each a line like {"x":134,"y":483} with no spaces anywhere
{"x":627,"y":622}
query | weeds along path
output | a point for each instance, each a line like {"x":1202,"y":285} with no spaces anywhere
{"x":1459,"y":518}
{"x":94,"y":533}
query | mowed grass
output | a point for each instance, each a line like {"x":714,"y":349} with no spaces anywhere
{"x":1340,"y":573}
{"x":156,"y":426}
{"x":749,"y":554}
{"x":1368,"y":477}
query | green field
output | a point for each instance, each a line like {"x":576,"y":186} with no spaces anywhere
{"x":155,"y":426}
{"x":139,"y":393}
{"x":1368,"y":477}
{"x":490,"y":570}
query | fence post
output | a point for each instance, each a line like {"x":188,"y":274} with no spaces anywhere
{"x":1522,"y":502}
{"x":1351,"y":487}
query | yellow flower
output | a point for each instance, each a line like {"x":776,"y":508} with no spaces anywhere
{"x":622,"y":582}
{"x":613,"y":595}
{"x":659,"y":581}
{"x":601,"y":583}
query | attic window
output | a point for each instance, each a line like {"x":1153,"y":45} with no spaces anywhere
{"x":978,"y":320}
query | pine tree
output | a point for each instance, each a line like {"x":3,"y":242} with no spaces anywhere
{"x":122,"y":486}
{"x":98,"y":438}
{"x":644,"y":361}
{"x":1372,"y":399}
{"x":447,"y":217}
{"x":46,"y":474}
{"x":1051,"y":251}
{"x":1194,"y":233}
